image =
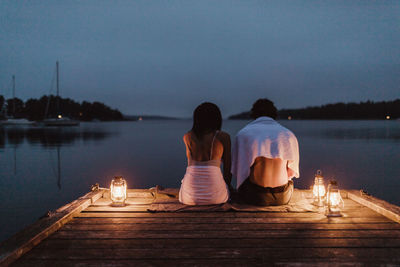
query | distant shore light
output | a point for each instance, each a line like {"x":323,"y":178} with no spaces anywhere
{"x":289,"y":117}
{"x":388,"y":117}
{"x":60,"y":116}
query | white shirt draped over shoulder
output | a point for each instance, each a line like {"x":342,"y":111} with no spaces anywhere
{"x":263,"y":137}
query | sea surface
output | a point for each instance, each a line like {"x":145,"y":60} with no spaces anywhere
{"x":42,"y":169}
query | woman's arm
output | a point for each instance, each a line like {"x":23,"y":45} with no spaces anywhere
{"x":226,"y":157}
{"x":186,"y":141}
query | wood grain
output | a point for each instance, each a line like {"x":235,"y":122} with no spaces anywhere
{"x":102,"y":235}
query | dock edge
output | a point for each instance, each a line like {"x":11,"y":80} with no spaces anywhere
{"x":23,"y":241}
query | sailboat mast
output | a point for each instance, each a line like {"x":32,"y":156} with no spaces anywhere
{"x":13,"y":81}
{"x":57,"y":78}
{"x":58,"y":90}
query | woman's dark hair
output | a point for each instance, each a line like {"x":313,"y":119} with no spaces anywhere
{"x":206,"y":119}
{"x":264,"y":107}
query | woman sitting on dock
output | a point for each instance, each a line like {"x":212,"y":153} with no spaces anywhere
{"x":206,"y":147}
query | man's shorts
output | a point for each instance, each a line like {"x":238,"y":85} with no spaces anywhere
{"x":265,"y":196}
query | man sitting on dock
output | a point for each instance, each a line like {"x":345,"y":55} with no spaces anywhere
{"x":265,"y":158}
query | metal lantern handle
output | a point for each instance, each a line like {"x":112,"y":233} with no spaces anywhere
{"x":341,"y":200}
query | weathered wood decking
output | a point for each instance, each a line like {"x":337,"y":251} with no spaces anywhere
{"x":101,"y":235}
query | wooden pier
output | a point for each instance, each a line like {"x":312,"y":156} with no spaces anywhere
{"x":90,"y":232}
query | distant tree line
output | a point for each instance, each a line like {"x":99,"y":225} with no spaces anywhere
{"x":339,"y":111}
{"x":52,"y":106}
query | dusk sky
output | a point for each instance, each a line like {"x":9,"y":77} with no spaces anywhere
{"x":166,"y":57}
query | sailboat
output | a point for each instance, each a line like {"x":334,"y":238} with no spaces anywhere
{"x":12,"y":120}
{"x":60,"y":120}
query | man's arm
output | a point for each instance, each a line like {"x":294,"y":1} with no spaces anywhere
{"x":290,"y":172}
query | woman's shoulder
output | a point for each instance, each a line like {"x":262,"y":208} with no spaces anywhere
{"x":186,"y":137}
{"x":223,"y":136}
{"x":190,"y":137}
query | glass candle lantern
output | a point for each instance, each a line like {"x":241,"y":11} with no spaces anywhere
{"x":319,"y":189}
{"x":118,"y":191}
{"x":334,"y":200}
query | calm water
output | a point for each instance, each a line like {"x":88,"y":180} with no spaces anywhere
{"x":42,"y":169}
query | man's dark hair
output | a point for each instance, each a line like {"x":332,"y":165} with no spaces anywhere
{"x":206,"y":119}
{"x":264,"y":107}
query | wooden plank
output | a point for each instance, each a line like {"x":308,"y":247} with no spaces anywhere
{"x":146,"y":262}
{"x":116,"y":210}
{"x":233,"y":214}
{"x":20,"y":243}
{"x":144,"y":205}
{"x":264,"y":261}
{"x":106,"y":202}
{"x":228,"y":226}
{"x":383,"y":207}
{"x":318,"y":218}
{"x":128,"y":208}
{"x":160,"y":243}
{"x":387,"y":254}
{"x":132,"y":200}
{"x":267,"y":233}
{"x":133,"y":210}
{"x":133,"y":193}
{"x":228,"y":214}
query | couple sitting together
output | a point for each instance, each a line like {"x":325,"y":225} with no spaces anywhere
{"x":265,"y":158}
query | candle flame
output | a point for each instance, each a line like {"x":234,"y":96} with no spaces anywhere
{"x":334,"y":199}
{"x":118,"y":191}
{"x":319,"y":190}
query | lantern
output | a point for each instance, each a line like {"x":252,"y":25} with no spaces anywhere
{"x":333,"y":200}
{"x":118,"y":191}
{"x":319,"y":189}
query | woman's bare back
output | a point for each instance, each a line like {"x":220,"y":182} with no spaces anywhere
{"x":200,"y":150}
{"x":208,"y":148}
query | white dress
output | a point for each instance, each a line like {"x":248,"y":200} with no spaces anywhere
{"x":203,"y":183}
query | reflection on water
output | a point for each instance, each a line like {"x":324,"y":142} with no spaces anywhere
{"x":58,"y":168}
{"x":50,"y":136}
{"x":392,"y":134}
{"x":363,"y":130}
{"x":15,"y":160}
{"x":43,"y":168}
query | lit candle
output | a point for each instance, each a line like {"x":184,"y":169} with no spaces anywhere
{"x":334,"y":198}
{"x":319,"y":189}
